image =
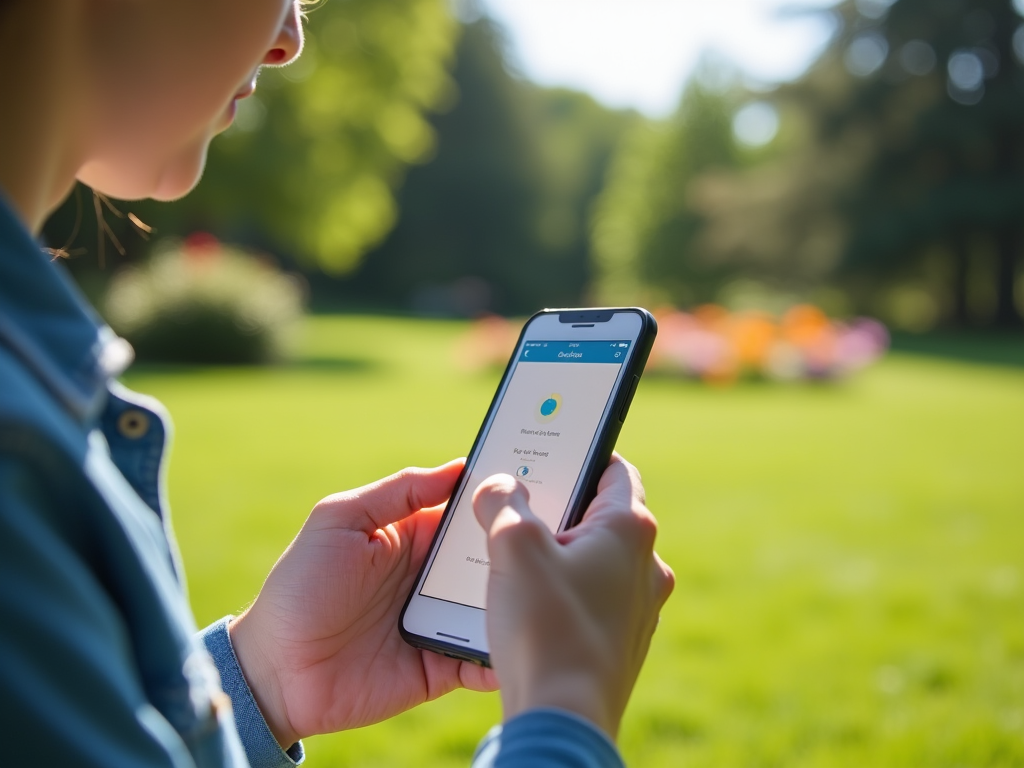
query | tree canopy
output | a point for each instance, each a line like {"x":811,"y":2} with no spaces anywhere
{"x":898,"y":175}
{"x":310,"y":167}
{"x":497,"y":221}
{"x":644,"y":226}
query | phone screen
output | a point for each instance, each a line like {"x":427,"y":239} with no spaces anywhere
{"x":541,"y":433}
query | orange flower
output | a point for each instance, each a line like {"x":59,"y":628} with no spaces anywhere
{"x":752,"y":335}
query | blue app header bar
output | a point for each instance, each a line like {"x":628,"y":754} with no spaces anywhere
{"x":574,"y":351}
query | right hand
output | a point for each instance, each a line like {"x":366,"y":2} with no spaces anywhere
{"x":570,"y":616}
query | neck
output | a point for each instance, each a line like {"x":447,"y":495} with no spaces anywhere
{"x":38,"y":96}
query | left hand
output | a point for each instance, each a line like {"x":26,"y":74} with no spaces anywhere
{"x":320,"y":646}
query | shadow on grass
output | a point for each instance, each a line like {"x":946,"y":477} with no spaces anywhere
{"x":1005,"y":349}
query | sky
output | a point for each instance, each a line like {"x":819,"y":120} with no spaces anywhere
{"x":639,"y":53}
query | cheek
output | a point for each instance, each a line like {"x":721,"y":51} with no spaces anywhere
{"x":168,"y":105}
{"x":166,"y":94}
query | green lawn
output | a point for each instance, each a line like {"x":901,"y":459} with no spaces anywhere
{"x":850,"y":558}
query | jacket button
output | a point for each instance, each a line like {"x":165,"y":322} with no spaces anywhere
{"x":133,"y":424}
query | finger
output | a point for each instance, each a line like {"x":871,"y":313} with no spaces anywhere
{"x":423,"y":526}
{"x":619,"y":492}
{"x":476,"y":678}
{"x":496,"y":493}
{"x":393,"y":498}
{"x":635,"y":481}
{"x":666,"y":579}
{"x":618,"y":507}
{"x":445,"y":674}
{"x":502,"y":507}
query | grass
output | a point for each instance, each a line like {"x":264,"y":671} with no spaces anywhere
{"x":850,"y":558}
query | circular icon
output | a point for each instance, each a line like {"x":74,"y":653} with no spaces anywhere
{"x":548,"y":408}
{"x":522,"y":472}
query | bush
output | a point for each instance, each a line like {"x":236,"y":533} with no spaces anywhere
{"x":202,"y":302}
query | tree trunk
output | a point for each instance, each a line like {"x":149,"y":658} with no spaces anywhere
{"x":1009,"y":244}
{"x":961,"y":269}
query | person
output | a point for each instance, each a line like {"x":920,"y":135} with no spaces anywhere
{"x":100,"y":661}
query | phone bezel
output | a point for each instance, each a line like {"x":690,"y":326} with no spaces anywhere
{"x":426,"y":621}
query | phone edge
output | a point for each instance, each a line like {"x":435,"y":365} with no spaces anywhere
{"x":608,"y":437}
{"x":612,"y":428}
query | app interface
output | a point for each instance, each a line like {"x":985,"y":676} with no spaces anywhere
{"x":541,"y":434}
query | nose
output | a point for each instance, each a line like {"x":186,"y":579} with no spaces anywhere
{"x":288,"y":45}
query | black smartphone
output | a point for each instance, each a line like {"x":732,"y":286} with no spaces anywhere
{"x":552,"y":424}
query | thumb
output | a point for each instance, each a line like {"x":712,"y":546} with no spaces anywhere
{"x":502,"y":507}
{"x":393,"y":498}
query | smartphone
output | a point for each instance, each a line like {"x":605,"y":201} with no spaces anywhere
{"x":552,"y":424}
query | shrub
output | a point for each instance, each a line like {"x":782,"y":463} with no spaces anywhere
{"x":206,"y":303}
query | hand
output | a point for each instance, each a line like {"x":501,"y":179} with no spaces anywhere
{"x":570,"y":616}
{"x":320,"y":646}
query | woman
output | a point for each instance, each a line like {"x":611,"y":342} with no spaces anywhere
{"x":100,"y":663}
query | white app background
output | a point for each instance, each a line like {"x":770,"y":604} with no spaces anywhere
{"x":544,"y":450}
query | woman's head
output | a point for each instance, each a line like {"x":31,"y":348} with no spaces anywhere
{"x":163,"y":77}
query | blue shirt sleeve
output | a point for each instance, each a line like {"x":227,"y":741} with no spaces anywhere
{"x":540,"y":738}
{"x":260,"y":745}
{"x":546,"y":738}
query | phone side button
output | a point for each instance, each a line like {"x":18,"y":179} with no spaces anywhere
{"x":629,"y":399}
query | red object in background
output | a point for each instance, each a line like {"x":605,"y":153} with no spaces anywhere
{"x":201,"y":246}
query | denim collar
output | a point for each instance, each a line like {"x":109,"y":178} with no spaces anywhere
{"x":45,"y":322}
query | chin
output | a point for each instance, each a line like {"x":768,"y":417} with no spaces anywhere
{"x":175,"y":187}
{"x":179,"y":178}
{"x":171,"y":181}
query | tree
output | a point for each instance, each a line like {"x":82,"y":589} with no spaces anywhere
{"x":646,"y":227}
{"x":497,"y":220}
{"x":310,"y":167}
{"x":910,"y":164}
{"x":948,"y":170}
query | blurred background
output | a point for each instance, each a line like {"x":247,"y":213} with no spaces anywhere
{"x":429,"y":159}
{"x":824,"y":204}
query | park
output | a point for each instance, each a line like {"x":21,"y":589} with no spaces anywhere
{"x":338,"y":296}
{"x":850,"y":583}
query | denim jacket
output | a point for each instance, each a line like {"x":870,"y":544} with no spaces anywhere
{"x":100,"y":660}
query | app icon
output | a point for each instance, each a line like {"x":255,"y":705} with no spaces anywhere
{"x":522,"y":472}
{"x":548,"y":408}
